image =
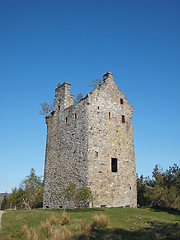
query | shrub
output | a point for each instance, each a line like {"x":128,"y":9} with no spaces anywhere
{"x":99,"y":222}
{"x":65,"y":219}
{"x":85,"y":195}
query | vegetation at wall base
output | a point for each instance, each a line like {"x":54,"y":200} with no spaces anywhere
{"x":81,"y":197}
{"x":160,"y":191}
{"x":97,"y":224}
{"x":161,"y":221}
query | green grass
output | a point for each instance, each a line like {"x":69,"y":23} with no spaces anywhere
{"x":125,"y":223}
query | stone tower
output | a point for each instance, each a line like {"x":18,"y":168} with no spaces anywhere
{"x":90,"y":143}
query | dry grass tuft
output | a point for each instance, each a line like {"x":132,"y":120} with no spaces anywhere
{"x":62,"y":234}
{"x":65,"y":219}
{"x":56,"y":234}
{"x":34,"y":235}
{"x":46,"y":231}
{"x":46,"y":228}
{"x":85,"y":228}
{"x":54,"y":220}
{"x":26,"y":232}
{"x":99,"y":222}
{"x":65,"y":234}
{"x":29,"y":234}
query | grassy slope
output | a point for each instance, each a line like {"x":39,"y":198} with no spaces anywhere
{"x":126,"y":223}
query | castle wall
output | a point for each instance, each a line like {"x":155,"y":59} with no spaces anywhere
{"x":66,"y":153}
{"x":82,"y":139}
{"x":109,"y":138}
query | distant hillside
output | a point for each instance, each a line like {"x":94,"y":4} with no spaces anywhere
{"x":2,"y":195}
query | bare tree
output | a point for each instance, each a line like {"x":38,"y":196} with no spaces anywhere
{"x":46,"y":108}
{"x":95,"y":83}
{"x":79,"y":97}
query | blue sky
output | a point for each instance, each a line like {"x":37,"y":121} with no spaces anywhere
{"x":46,"y":42}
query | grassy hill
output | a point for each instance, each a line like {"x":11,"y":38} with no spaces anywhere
{"x":123,"y":223}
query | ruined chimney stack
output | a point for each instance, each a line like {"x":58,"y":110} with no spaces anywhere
{"x":107,"y":75}
{"x":63,"y":97}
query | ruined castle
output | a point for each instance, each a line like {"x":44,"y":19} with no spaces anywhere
{"x":90,"y":143}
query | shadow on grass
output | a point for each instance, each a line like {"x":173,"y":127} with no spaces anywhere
{"x":167,"y":210}
{"x":76,"y":210}
{"x":86,"y":210}
{"x":154,"y":231}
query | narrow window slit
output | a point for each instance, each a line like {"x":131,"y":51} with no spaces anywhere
{"x":123,"y":119}
{"x":114,"y":164}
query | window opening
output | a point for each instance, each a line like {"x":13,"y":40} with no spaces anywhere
{"x":75,"y":116}
{"x":114,"y":164}
{"x":121,"y":101}
{"x":59,"y":107}
{"x":123,"y":119}
{"x":66,"y":120}
{"x":109,"y":115}
{"x":98,"y":107}
{"x":103,"y":205}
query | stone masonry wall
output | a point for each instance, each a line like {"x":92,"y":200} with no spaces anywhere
{"x":109,"y":138}
{"x":82,"y":139}
{"x":66,"y":152}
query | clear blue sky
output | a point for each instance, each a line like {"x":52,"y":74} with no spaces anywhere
{"x":45,"y":42}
